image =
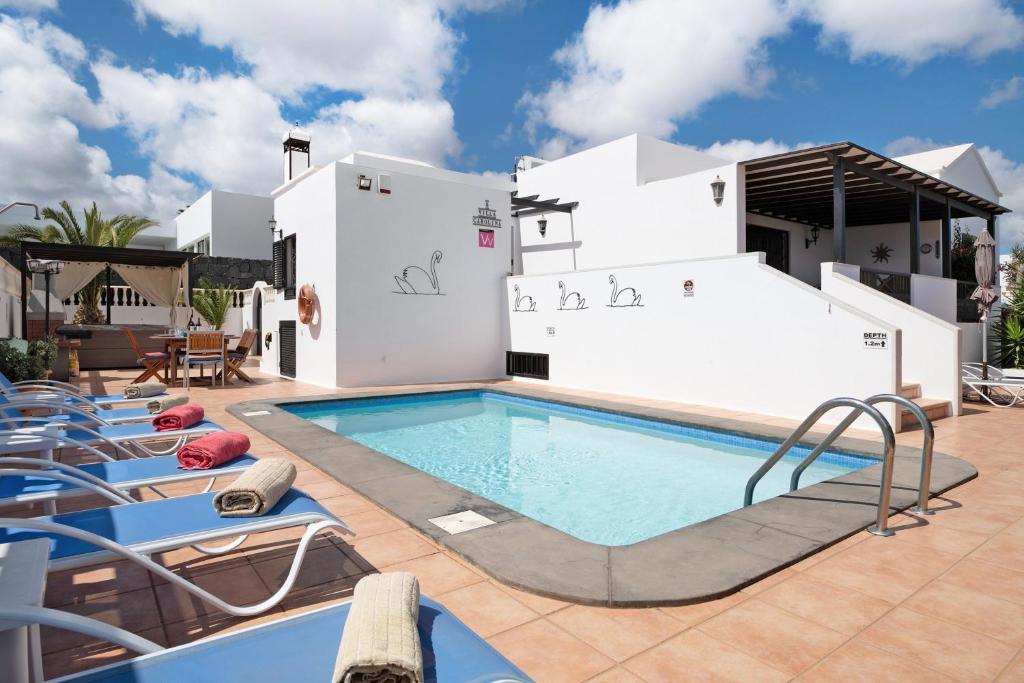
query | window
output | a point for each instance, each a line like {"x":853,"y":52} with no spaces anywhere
{"x":199,"y":247}
{"x":285,"y":266}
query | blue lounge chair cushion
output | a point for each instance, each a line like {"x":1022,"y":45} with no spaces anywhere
{"x":304,"y":648}
{"x":95,"y":398}
{"x":113,"y":414}
{"x":116,"y":473}
{"x":132,"y":430}
{"x":154,"y":520}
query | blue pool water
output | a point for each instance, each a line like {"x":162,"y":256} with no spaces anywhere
{"x":603,"y":478}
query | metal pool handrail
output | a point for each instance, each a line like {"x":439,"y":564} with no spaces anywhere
{"x":880,"y":527}
{"x":926,"y":449}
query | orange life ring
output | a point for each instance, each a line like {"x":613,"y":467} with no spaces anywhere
{"x":306,"y":303}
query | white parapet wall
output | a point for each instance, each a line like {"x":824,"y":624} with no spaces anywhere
{"x":728,"y":332}
{"x":931,"y":348}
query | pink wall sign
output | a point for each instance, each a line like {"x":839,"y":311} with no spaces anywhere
{"x":487,"y":239}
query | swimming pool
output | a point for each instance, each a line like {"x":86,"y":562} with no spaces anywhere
{"x":601,"y":477}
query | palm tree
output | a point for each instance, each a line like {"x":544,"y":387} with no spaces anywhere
{"x":64,"y":228}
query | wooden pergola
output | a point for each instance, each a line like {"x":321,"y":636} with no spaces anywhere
{"x":843,"y":184}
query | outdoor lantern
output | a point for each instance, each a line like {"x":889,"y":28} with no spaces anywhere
{"x":47,"y":268}
{"x":718,"y":190}
{"x":273,"y":228}
{"x":542,"y":225}
{"x":364,"y":182}
{"x":813,"y":239}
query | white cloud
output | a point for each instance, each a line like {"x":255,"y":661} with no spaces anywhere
{"x":745,"y":150}
{"x":910,"y":144}
{"x":395,"y":48}
{"x":1009,"y":177}
{"x":644,"y":65}
{"x":42,"y":156}
{"x":1011,"y":90}
{"x":30,"y":6}
{"x":915,"y":31}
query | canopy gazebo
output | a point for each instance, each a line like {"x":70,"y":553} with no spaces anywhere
{"x":158,"y":275}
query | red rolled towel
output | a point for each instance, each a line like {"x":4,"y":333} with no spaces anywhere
{"x":212,"y":450}
{"x":179,"y":417}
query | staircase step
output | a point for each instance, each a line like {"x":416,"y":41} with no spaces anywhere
{"x":910,"y":390}
{"x":934,"y":408}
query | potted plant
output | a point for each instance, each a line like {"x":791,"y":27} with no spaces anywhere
{"x":20,"y":360}
{"x":212,"y":302}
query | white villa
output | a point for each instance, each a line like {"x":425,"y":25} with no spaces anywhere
{"x":637,"y":267}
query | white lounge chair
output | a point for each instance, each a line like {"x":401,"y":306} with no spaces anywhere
{"x":62,"y":391}
{"x":999,"y":390}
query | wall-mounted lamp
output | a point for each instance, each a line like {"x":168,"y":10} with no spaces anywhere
{"x":718,"y":190}
{"x":813,"y":239}
{"x":273,"y":229}
{"x":542,"y":225}
{"x":364,"y":182}
{"x":14,"y":204}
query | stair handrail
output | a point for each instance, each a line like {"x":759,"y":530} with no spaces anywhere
{"x":924,"y":486}
{"x":880,"y":528}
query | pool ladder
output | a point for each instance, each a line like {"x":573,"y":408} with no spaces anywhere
{"x":880,"y":527}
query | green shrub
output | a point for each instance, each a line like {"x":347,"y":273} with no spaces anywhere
{"x":18,"y":366}
{"x":212,"y":302}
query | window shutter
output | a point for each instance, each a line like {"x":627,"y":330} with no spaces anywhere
{"x":286,"y":347}
{"x":279,"y":264}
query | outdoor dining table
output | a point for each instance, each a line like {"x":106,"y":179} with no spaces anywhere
{"x":174,"y":344}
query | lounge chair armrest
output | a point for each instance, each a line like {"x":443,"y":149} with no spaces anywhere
{"x":51,"y":383}
{"x":16,"y":396}
{"x":27,"y":615}
{"x":68,"y":474}
{"x":61,"y":408}
{"x":6,"y":428}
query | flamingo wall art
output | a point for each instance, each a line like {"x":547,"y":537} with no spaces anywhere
{"x":416,"y":280}
{"x":626,"y":297}
{"x":523,"y":304}
{"x":570,"y":301}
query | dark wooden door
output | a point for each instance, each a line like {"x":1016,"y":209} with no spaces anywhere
{"x":774,"y":243}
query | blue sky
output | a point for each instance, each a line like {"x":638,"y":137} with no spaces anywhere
{"x":161,"y":99}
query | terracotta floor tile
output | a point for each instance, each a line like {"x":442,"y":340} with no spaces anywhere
{"x":839,"y":609}
{"x":1003,"y":549}
{"x":691,"y":615}
{"x":239,"y":585}
{"x":616,"y":675}
{"x":320,"y":565}
{"x":538,"y":603}
{"x":344,"y":505}
{"x":93,"y":654}
{"x":938,"y":536}
{"x":888,"y":571}
{"x":485,"y":609}
{"x":857,"y":662}
{"x":393,"y":547}
{"x":617,"y":633}
{"x":89,"y":583}
{"x":696,"y":657}
{"x":1001,"y":619}
{"x":1014,"y":671}
{"x":371,"y":523}
{"x":437,"y":573}
{"x":550,"y":655}
{"x":987,"y":578}
{"x":133,"y":611}
{"x":784,"y":641}
{"x":953,"y":650}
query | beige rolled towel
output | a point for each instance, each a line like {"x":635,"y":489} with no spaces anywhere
{"x":257,"y":491}
{"x":380,"y":643}
{"x":162,"y":403}
{"x":144,"y":390}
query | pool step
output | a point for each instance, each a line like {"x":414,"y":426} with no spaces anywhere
{"x":910,"y":391}
{"x":934,"y":408}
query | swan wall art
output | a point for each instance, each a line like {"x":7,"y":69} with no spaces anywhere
{"x":416,"y":280}
{"x":570,"y":301}
{"x":627,"y":297}
{"x":523,"y":304}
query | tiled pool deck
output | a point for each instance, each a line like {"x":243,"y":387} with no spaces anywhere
{"x":942,"y":600}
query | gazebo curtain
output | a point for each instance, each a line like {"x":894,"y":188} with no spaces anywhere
{"x":76,"y":274}
{"x":159,"y":285}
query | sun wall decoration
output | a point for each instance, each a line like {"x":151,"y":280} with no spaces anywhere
{"x":881,"y":253}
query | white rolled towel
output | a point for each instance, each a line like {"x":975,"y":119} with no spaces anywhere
{"x":257,"y":490}
{"x":380,"y":643}
{"x":144,"y":390}
{"x":162,"y":403}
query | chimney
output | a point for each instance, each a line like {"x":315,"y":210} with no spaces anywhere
{"x":296,"y":152}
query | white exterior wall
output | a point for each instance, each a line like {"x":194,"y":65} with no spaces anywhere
{"x":861,"y":239}
{"x":750,"y":338}
{"x":931,"y":348}
{"x":934,"y":295}
{"x":308,"y":210}
{"x":10,"y":300}
{"x":235,"y":223}
{"x":804,"y":262}
{"x":389,"y":338}
{"x":350,"y":246}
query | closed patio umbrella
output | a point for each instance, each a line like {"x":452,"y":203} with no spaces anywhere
{"x":985,"y":293}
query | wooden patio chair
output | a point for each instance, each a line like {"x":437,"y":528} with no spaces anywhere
{"x":204,"y":348}
{"x":153,"y":361}
{"x":237,"y":357}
